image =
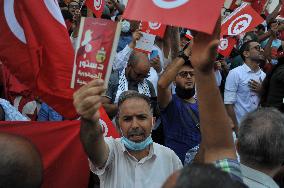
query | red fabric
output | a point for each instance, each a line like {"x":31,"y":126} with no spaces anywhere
{"x":226,"y":46}
{"x":242,"y":20}
{"x":109,"y":129}
{"x":200,"y":15}
{"x":42,"y":59}
{"x":97,"y":6}
{"x":257,"y":5}
{"x":153,"y":28}
{"x":233,"y":5}
{"x":14,"y":89}
{"x":65,"y":163}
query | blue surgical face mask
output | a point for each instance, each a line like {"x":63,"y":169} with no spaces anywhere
{"x":134,"y":146}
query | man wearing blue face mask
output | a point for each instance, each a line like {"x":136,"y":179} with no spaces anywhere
{"x":133,"y":160}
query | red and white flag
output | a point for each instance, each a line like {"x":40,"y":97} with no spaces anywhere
{"x":243,"y":19}
{"x":200,"y":15}
{"x":97,"y":6}
{"x":188,"y":35}
{"x":108,"y":128}
{"x":36,"y":48}
{"x":226,"y":46}
{"x":153,"y":28}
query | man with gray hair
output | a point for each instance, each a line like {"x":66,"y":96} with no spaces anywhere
{"x":132,"y":160}
{"x":261,"y":147}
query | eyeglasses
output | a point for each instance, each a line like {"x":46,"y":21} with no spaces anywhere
{"x":185,"y":74}
{"x":139,"y":75}
{"x":258,"y":48}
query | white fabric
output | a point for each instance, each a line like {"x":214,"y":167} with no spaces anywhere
{"x":237,"y":91}
{"x":124,"y":171}
{"x":143,"y":87}
{"x":121,"y":58}
{"x":254,"y":178}
{"x":218,"y":77}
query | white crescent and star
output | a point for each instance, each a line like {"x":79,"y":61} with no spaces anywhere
{"x":104,"y":127}
{"x":154,"y":25}
{"x":14,"y":25}
{"x":240,"y":24}
{"x":98,"y":4}
{"x":224,"y":43}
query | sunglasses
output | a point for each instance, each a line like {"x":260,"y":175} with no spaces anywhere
{"x":184,"y":74}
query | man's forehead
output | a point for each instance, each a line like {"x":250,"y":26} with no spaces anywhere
{"x":134,"y":106}
{"x":254,"y":44}
{"x":186,"y":68}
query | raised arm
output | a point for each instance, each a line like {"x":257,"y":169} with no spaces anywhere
{"x":164,"y":90}
{"x":217,"y":142}
{"x":87,"y":101}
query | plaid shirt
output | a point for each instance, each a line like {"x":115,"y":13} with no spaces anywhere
{"x":231,"y":166}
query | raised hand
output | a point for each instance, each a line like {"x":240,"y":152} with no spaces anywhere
{"x":87,"y":100}
{"x":204,"y":49}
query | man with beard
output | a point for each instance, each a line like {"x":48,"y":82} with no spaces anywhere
{"x":243,"y":83}
{"x":179,"y":112}
{"x":133,"y":160}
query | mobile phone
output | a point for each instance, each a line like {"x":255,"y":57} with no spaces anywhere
{"x":153,"y":54}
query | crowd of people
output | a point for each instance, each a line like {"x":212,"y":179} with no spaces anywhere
{"x":188,"y":117}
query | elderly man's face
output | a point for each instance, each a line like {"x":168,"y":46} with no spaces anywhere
{"x":139,"y":71}
{"x":135,"y":119}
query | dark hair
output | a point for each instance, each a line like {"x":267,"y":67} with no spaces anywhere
{"x":266,"y":82}
{"x":270,"y":23}
{"x":20,"y":163}
{"x":261,"y":138}
{"x":205,"y":176}
{"x":245,"y":47}
{"x":260,"y":27}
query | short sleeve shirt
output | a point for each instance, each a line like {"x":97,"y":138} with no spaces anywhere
{"x":124,"y":171}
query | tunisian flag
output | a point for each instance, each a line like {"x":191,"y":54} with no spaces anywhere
{"x":153,"y":28}
{"x":200,"y":15}
{"x":243,"y":19}
{"x":97,"y":6}
{"x":36,"y":48}
{"x":226,"y":46}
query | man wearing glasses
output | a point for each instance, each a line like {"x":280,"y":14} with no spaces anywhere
{"x":133,"y":77}
{"x":243,"y":83}
{"x":179,"y":112}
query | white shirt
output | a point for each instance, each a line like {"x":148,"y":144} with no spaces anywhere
{"x":237,"y":91}
{"x":218,"y":77}
{"x":122,"y":170}
{"x":254,"y":178}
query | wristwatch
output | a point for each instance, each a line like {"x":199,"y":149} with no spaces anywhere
{"x":183,"y":56}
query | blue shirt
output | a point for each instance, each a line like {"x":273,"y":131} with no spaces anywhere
{"x":46,"y":113}
{"x":181,"y":132}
